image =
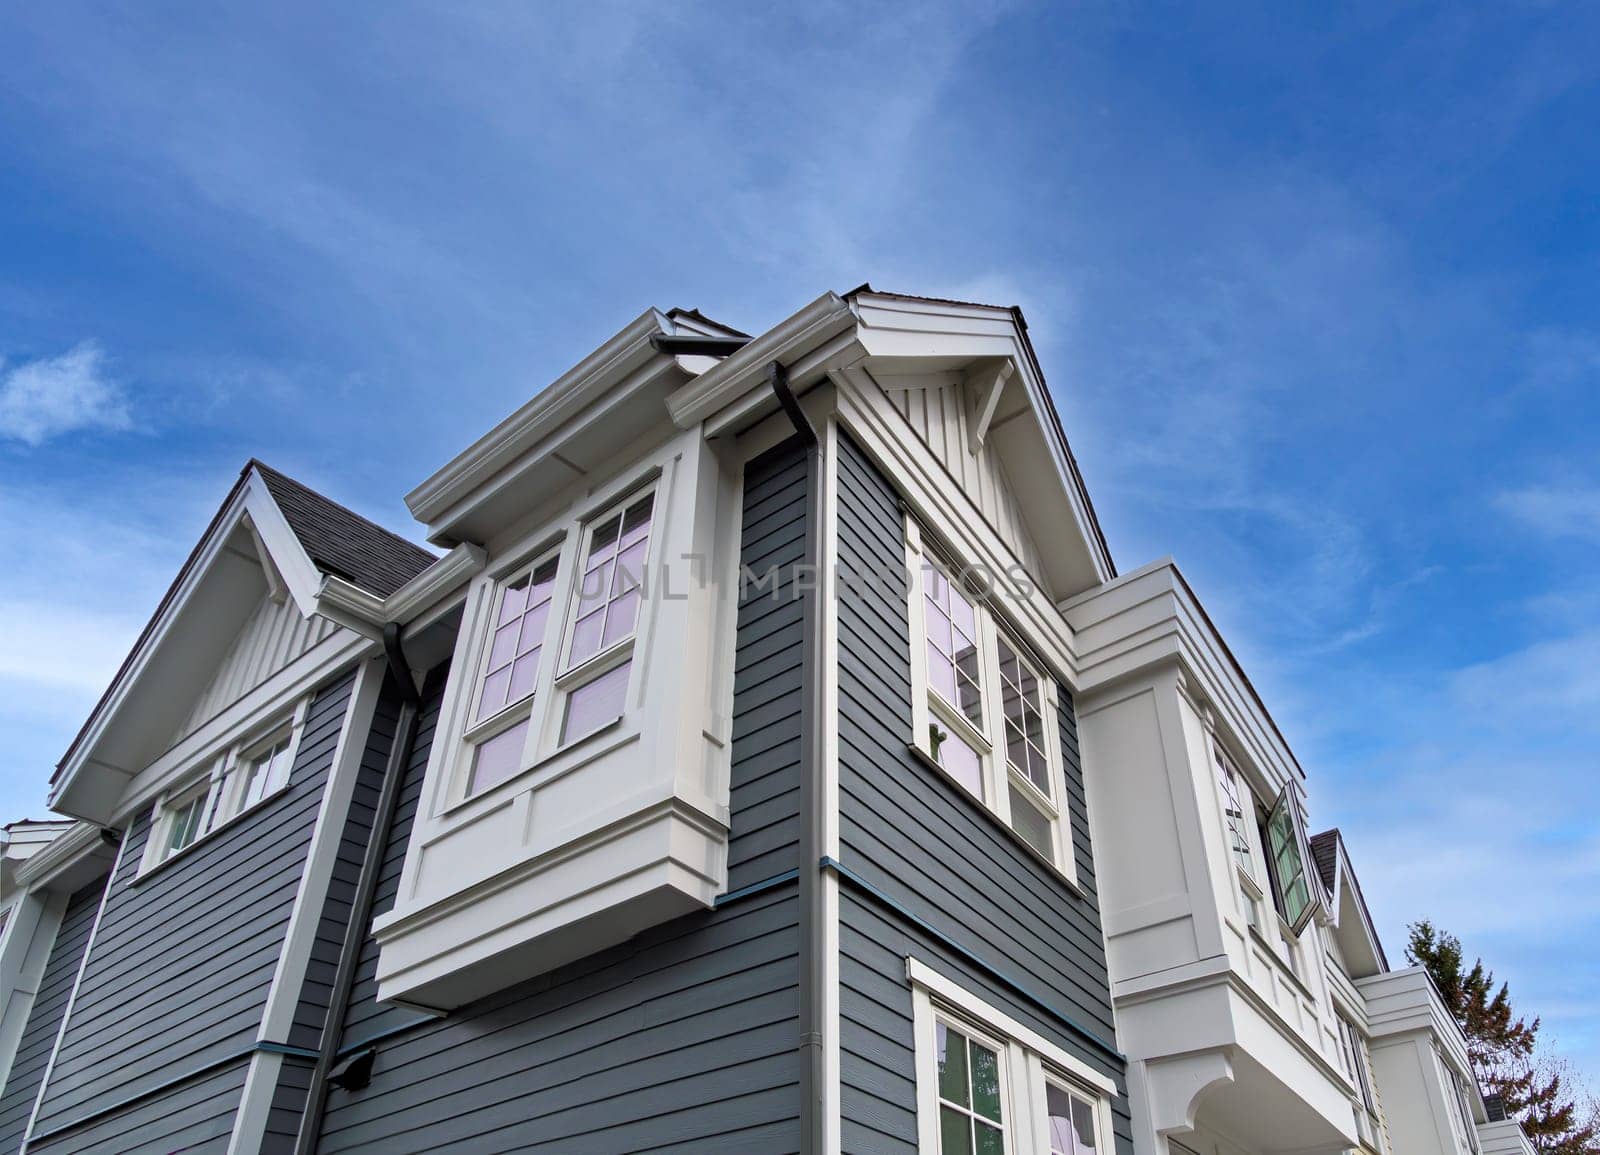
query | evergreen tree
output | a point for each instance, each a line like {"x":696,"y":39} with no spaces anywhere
{"x":1503,"y":1047}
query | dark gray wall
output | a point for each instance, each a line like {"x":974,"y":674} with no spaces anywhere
{"x":178,"y":977}
{"x":936,"y":854}
{"x":684,"y":1038}
{"x":44,"y":1020}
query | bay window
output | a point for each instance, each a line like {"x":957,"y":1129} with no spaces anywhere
{"x":983,"y":710}
{"x":989,"y":1085}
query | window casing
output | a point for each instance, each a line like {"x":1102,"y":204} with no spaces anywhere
{"x":238,"y":780}
{"x":982,"y":709}
{"x":582,"y":606}
{"x":1354,"y":1048}
{"x":988,"y":1085}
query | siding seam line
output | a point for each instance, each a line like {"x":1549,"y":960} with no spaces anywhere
{"x":173,"y":1083}
{"x":1016,"y":985}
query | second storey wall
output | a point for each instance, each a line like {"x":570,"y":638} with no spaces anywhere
{"x":684,"y":1038}
{"x":943,"y":881}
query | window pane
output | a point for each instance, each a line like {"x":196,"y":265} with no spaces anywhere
{"x":1083,"y":1125}
{"x":951,"y":1048}
{"x":603,"y":542}
{"x":989,"y":1140}
{"x":522,"y":677}
{"x":963,"y":763}
{"x":941,"y":675}
{"x":512,"y":601}
{"x":1059,"y":1104}
{"x":586,"y":637}
{"x":636,"y":522}
{"x":955,"y":1132}
{"x":498,"y":758}
{"x":1028,"y":821}
{"x":629,"y":572}
{"x":504,"y":647}
{"x":533,"y":628}
{"x":595,"y":703}
{"x":938,"y":629}
{"x":986,"y":1083}
{"x":962,"y":616}
{"x":494,"y":693}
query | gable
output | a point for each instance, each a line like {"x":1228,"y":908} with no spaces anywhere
{"x":943,"y":410}
{"x":245,"y":605}
{"x":274,"y":635}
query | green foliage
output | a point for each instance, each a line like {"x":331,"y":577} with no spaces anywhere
{"x":1503,"y":1047}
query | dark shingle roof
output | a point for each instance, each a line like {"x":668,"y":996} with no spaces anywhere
{"x":342,"y":542}
{"x":1325,"y":850}
{"x":1495,"y":1107}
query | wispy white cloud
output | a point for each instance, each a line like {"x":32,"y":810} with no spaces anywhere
{"x":54,"y":396}
{"x":1561,"y":511}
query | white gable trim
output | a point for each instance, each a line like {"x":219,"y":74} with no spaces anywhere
{"x":251,"y":504}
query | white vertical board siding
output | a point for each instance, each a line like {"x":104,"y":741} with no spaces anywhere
{"x":939,"y":415}
{"x":274,"y":635}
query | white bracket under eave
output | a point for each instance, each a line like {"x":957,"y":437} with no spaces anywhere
{"x":985,"y":386}
{"x":277,"y":588}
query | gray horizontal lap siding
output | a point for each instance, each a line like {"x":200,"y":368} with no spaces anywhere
{"x":196,"y":1119}
{"x":44,"y":1020}
{"x":682,"y":1039}
{"x":917,"y":839}
{"x":183,"y":959}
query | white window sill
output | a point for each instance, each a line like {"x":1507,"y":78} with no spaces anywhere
{"x":995,"y":820}
{"x":178,"y":855}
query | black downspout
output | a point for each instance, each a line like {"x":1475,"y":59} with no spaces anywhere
{"x":355,"y":931}
{"x":812,"y":944}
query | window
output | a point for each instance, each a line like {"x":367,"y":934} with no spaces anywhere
{"x":1355,"y":1063}
{"x":971,"y":1118}
{"x":1072,"y":1121}
{"x":243,"y":777}
{"x":1286,"y":863}
{"x":605,"y":613}
{"x":1236,"y":817}
{"x":510,"y":675}
{"x":983,"y":711}
{"x":989,"y":1085}
{"x":600,"y":605}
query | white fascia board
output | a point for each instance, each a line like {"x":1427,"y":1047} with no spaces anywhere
{"x":1150,"y":617}
{"x":301,"y":577}
{"x":730,"y":379}
{"x":65,"y":852}
{"x":107,"y":710}
{"x":550,"y":407}
{"x":294,"y":565}
{"x":900,"y":327}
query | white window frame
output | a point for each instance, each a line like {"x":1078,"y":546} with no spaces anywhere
{"x":492,"y":726}
{"x":567,"y":544}
{"x":223,"y":788}
{"x":571,"y":678}
{"x":929,"y":708}
{"x":1028,"y":1060}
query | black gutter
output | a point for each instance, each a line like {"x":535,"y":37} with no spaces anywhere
{"x":696,"y":344}
{"x":813,"y":945}
{"x":355,"y":931}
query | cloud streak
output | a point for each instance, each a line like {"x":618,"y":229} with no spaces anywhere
{"x":54,"y":396}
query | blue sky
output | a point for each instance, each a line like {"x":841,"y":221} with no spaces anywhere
{"x":1317,"y":301}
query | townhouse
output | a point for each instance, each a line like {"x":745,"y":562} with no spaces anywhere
{"x":768,"y":757}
